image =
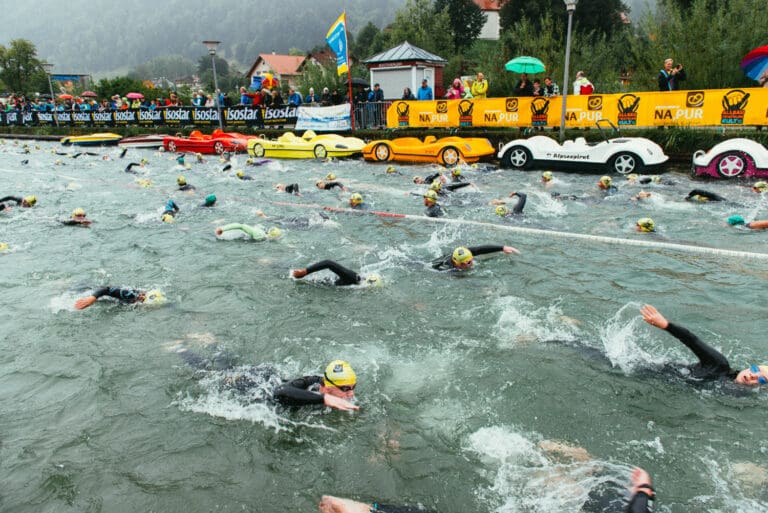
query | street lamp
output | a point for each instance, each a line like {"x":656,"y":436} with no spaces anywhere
{"x":212,"y":45}
{"x":48,"y":67}
{"x":570,"y":6}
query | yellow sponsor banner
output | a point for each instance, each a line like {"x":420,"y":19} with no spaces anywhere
{"x":711,"y":107}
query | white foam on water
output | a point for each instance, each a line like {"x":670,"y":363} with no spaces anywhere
{"x":520,"y":322}
{"x":620,"y":337}
{"x":544,"y":205}
{"x":736,"y":487}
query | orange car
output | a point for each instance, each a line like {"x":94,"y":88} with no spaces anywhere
{"x":448,"y":151}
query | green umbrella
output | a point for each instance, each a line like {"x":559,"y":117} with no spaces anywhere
{"x":525,"y":64}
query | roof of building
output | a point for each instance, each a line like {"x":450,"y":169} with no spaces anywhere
{"x":404,"y":52}
{"x":280,"y":64}
{"x":488,"y":5}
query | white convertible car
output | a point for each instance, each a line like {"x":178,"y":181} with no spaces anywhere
{"x":623,"y":155}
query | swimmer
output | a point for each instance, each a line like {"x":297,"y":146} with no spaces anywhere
{"x":255,"y":232}
{"x":712,"y":365}
{"x":442,"y":190}
{"x":641,"y":196}
{"x":344,"y":276}
{"x":129,"y":167}
{"x":760,"y":187}
{"x":243,"y":176}
{"x":292,"y":188}
{"x":199,"y":157}
{"x":123,"y":295}
{"x":502,"y":209}
{"x":170,"y":211}
{"x":357,"y":202}
{"x":209,"y":201}
{"x":325,"y":185}
{"x":181,"y":181}
{"x":641,"y":492}
{"x":77,"y":218}
{"x":645,"y":224}
{"x":456,"y":175}
{"x":429,"y":179}
{"x":703,"y":196}
{"x":180,"y":159}
{"x":546,"y":177}
{"x":433,"y":208}
{"x":25,"y":202}
{"x":331,"y":504}
{"x":335,"y":388}
{"x":91,"y":154}
{"x":754,"y":225}
{"x":225,"y":156}
{"x":392,"y":171}
{"x":463,"y":258}
{"x":606,"y":185}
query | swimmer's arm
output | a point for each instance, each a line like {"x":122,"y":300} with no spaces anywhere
{"x":295,"y":393}
{"x":522,"y":198}
{"x":708,"y":356}
{"x":330,"y":504}
{"x":346,"y":276}
{"x":253,"y":231}
{"x":641,"y":491}
{"x":490,"y":248}
{"x":12,"y":198}
{"x":758,"y":225}
{"x":87,"y":301}
{"x":454,"y":186}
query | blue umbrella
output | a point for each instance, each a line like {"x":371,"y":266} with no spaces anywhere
{"x":525,"y":64}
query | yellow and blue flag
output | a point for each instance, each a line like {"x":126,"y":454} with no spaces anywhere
{"x":337,"y":40}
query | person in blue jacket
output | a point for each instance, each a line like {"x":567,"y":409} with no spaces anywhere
{"x":424,"y":92}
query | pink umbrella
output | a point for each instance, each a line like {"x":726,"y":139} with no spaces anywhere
{"x":66,"y":96}
{"x":134,"y":96}
{"x":88,"y":94}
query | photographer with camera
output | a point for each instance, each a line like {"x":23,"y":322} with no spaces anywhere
{"x":670,"y":76}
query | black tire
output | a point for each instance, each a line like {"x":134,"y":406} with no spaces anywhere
{"x":320,"y":151}
{"x":731,"y":164}
{"x":381,"y":152}
{"x":450,"y":156}
{"x":171,"y":146}
{"x":218,"y":147}
{"x":625,"y":163}
{"x":258,"y":150}
{"x":517,"y":157}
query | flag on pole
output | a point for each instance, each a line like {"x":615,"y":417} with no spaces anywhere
{"x":337,"y":40}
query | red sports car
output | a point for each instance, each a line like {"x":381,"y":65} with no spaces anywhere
{"x":216,"y":143}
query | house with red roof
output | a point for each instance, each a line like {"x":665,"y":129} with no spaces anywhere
{"x":285,"y":68}
{"x":491,"y":9}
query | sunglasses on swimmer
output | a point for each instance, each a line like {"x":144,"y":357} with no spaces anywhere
{"x":343,"y":388}
{"x":754,"y":369}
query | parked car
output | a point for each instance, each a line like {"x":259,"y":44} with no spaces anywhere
{"x":216,"y":143}
{"x":732,"y":158}
{"x":309,"y":145}
{"x":448,"y":151}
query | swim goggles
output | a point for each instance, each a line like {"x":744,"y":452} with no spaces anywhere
{"x":754,"y":369}
{"x":343,"y":388}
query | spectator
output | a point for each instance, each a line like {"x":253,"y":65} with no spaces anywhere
{"x":376,"y":95}
{"x":266,"y":97}
{"x":582,"y":85}
{"x":523,"y":86}
{"x":550,"y":88}
{"x":325,"y":98}
{"x":537,"y":89}
{"x":456,"y":91}
{"x":294,"y":98}
{"x":336,"y":97}
{"x":277,"y":98}
{"x":670,"y":76}
{"x":312,"y":97}
{"x":480,"y":87}
{"x":209,"y":101}
{"x":227,"y":100}
{"x":424,"y":92}
{"x":245,"y":98}
{"x":407,"y":94}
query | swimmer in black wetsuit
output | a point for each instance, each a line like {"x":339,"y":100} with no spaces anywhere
{"x":26,"y":202}
{"x":462,"y":258}
{"x":181,"y":181}
{"x":334,"y":388}
{"x":344,"y":276}
{"x":78,"y":218}
{"x":123,"y":295}
{"x":129,"y":167}
{"x":712,"y":364}
{"x":329,"y":185}
{"x":606,"y":185}
{"x":330,"y":504}
{"x":433,"y":208}
{"x":429,"y":179}
{"x":701,"y":195}
{"x":292,"y":188}
{"x":443,"y":190}
{"x":503,"y":211}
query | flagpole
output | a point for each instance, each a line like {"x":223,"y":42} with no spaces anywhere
{"x":349,"y":78}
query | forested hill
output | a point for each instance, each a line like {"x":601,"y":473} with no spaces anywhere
{"x":99,"y":36}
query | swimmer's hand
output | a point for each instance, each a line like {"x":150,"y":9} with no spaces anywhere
{"x":218,"y":231}
{"x":510,"y":249}
{"x":85,"y":302}
{"x":653,"y":317}
{"x":337,"y":402}
{"x":299,"y":273}
{"x":641,"y":481}
{"x":330,"y":504}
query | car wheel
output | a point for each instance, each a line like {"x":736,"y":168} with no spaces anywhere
{"x":517,"y":157}
{"x":258,"y":150}
{"x":731,"y":165}
{"x":171,"y":146}
{"x":218,"y":147}
{"x":320,"y":151}
{"x":381,"y":152}
{"x":625,"y":163}
{"x":450,"y":156}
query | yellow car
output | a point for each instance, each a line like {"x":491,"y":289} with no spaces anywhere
{"x":448,"y":151}
{"x":308,"y":146}
{"x":103,"y":139}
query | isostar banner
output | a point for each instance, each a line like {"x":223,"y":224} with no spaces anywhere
{"x":711,"y":107}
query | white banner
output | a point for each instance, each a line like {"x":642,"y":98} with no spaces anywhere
{"x":333,"y":118}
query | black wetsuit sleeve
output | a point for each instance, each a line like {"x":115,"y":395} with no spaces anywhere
{"x":454,"y":186}
{"x":521,"y":199}
{"x":638,"y":503}
{"x":442,"y":263}
{"x":345,"y":276}
{"x":331,"y":185}
{"x":387,"y":508}
{"x":12,"y":198}
{"x":711,"y":196}
{"x":710,"y":360}
{"x":483,"y":250}
{"x":124,"y":295}
{"x":292,"y":188}
{"x":296,"y":393}
{"x":431,"y":178}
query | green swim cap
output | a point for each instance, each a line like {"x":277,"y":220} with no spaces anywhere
{"x":210,"y":199}
{"x":736,"y":220}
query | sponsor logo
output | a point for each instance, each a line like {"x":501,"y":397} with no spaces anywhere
{"x":81,"y":117}
{"x":511,"y":104}
{"x":403,"y":113}
{"x":500,"y":118}
{"x":432,"y":118}
{"x":205,"y":115}
{"x":539,"y":109}
{"x":677,"y":115}
{"x":45,"y":116}
{"x":595,"y":103}
{"x":125,"y":116}
{"x":566,"y":156}
{"x":734,"y":106}
{"x":64,"y":117}
{"x":175,"y":115}
{"x":284,"y":113}
{"x":628,"y":105}
{"x":465,"y":109}
{"x":102,"y":117}
{"x":694,"y":99}
{"x":442,"y":107}
{"x":581,"y":117}
{"x":246,"y":114}
{"x":150,"y":115}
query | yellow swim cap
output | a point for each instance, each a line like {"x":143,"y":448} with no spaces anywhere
{"x":3,"y":246}
{"x":339,"y":373}
{"x":606,"y":181}
{"x":181,"y":180}
{"x":274,"y":232}
{"x":546,"y":176}
{"x":373,"y":280}
{"x":168,"y":218}
{"x":78,"y":212}
{"x":199,"y":156}
{"x":356,"y":199}
{"x":502,"y":210}
{"x":431,"y":196}
{"x":143,"y":161}
{"x":632,"y":177}
{"x":456,"y":171}
{"x":461,"y":255}
{"x":330,"y":176}
{"x":31,"y":200}
{"x":187,"y":166}
{"x":154,"y":297}
{"x":436,"y":185}
{"x":760,"y":186}
{"x":240,"y":173}
{"x":646,"y":224}
{"x":391,"y":169}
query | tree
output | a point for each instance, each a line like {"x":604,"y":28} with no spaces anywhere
{"x":596,"y":16}
{"x":365,"y":40}
{"x":169,"y":66}
{"x":466,"y":18}
{"x":418,"y":24}
{"x":21,"y":69}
